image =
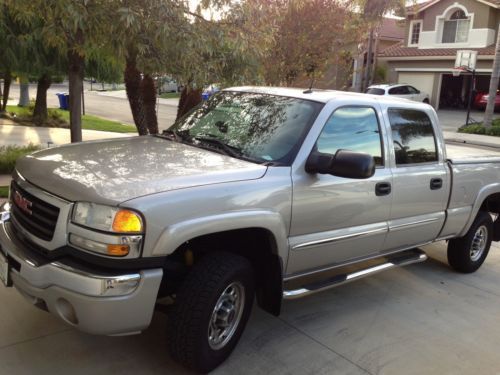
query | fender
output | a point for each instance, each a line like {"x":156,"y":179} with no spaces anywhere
{"x":484,"y":193}
{"x":175,"y":235}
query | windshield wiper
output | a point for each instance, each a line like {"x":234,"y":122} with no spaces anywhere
{"x":228,"y":150}
{"x":169,"y":133}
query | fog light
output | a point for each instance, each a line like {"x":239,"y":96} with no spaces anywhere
{"x":118,"y":250}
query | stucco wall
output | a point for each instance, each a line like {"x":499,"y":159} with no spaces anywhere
{"x":481,"y":13}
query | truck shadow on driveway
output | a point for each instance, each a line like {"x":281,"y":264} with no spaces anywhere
{"x":410,"y":320}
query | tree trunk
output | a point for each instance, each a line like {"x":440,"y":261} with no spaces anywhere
{"x":75,"y":77}
{"x":40,"y":111}
{"x":24,"y":92}
{"x":1,"y":97}
{"x":492,"y":93}
{"x":189,"y":99}
{"x":133,"y":79}
{"x":148,"y":94}
{"x":368,"y":69}
{"x":7,"y":80}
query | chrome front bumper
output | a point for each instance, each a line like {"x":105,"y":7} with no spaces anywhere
{"x":95,"y":303}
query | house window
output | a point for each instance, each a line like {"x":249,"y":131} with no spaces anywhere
{"x":416,"y":26}
{"x":456,"y":28}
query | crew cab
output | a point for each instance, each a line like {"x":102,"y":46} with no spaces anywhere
{"x":266,"y":193}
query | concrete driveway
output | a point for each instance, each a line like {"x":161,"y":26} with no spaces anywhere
{"x":451,"y":120}
{"x":422,"y":319}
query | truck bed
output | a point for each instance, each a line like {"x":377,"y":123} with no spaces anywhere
{"x":466,"y":154}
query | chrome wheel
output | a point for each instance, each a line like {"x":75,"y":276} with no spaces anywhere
{"x":478,"y":243}
{"x":226,"y":315}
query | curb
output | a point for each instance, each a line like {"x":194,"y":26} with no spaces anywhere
{"x":473,"y":143}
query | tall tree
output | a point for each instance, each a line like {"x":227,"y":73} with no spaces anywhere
{"x":492,"y":92}
{"x":310,"y":36}
{"x":373,"y":13}
{"x":73,"y":27}
{"x":10,"y":50}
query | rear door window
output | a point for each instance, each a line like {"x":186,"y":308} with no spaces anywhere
{"x":413,"y":136}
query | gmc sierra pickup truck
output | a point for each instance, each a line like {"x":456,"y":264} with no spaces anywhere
{"x":259,"y":192}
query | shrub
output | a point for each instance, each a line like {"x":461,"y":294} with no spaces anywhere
{"x":479,"y":128}
{"x":9,"y":155}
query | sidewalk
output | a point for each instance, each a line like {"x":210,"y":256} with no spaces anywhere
{"x":24,"y":135}
{"x":473,"y":139}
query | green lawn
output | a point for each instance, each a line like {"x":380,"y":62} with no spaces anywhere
{"x":4,"y":191}
{"x":91,"y":122}
{"x":170,"y":95}
{"x":60,"y":118}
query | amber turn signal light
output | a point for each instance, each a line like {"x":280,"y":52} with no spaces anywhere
{"x":127,"y":221}
{"x":118,"y":250}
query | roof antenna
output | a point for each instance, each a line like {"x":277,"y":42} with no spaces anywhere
{"x":309,"y":91}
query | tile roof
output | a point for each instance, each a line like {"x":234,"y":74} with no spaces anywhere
{"x":392,"y":29}
{"x":400,"y":50}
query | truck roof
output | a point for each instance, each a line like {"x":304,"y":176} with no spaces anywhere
{"x":317,"y":95}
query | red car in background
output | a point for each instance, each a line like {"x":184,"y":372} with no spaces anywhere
{"x":481,"y":99}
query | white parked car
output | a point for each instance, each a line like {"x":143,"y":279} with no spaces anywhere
{"x":400,"y":90}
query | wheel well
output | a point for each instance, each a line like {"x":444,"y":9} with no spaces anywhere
{"x":492,"y":204}
{"x":257,"y":245}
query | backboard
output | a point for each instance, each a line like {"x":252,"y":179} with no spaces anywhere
{"x":466,"y":59}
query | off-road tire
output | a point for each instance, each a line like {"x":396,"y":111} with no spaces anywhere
{"x":462,"y":255}
{"x":196,"y":299}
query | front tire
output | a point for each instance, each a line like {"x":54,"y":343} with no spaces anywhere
{"x":211,"y":310}
{"x":467,"y":254}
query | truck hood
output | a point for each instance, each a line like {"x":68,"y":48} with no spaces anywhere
{"x":114,"y":171}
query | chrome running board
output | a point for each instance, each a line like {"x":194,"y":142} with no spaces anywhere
{"x":403,"y":258}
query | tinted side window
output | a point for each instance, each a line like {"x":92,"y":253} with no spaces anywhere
{"x":354,"y":129}
{"x":395,"y":91}
{"x":375,"y":91}
{"x":412,"y":90}
{"x":413,"y":136}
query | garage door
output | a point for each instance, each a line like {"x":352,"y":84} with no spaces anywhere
{"x":421,"y":81}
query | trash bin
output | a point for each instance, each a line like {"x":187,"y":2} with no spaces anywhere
{"x":63,"y":100}
{"x":205,"y":95}
{"x":66,"y":101}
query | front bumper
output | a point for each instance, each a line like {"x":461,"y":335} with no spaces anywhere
{"x":106,"y":304}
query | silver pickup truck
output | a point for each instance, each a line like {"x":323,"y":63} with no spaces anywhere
{"x":259,"y":192}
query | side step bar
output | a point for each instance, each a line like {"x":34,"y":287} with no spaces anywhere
{"x":403,"y":258}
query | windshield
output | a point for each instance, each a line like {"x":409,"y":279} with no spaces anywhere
{"x":257,"y":127}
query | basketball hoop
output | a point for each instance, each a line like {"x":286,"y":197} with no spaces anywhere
{"x":456,"y":71}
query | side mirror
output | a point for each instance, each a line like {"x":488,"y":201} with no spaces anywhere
{"x":344,"y":163}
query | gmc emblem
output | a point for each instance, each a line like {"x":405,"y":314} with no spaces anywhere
{"x":23,"y":203}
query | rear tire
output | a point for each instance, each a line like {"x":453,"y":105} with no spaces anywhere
{"x":211,"y":310}
{"x":467,"y":254}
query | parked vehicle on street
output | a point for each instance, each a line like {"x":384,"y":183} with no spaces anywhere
{"x":399,"y":90}
{"x":265,"y":193}
{"x":481,"y":100}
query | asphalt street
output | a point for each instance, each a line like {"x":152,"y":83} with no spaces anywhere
{"x":105,"y":106}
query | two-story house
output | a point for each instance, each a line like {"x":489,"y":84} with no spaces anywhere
{"x":435,"y":30}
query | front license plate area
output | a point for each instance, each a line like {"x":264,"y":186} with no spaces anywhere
{"x":4,"y":270}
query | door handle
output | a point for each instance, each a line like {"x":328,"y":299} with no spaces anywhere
{"x":382,"y":188}
{"x":436,"y":183}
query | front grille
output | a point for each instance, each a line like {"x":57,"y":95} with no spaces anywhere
{"x":33,"y":214}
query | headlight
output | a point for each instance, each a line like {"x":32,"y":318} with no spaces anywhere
{"x":106,"y":218}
